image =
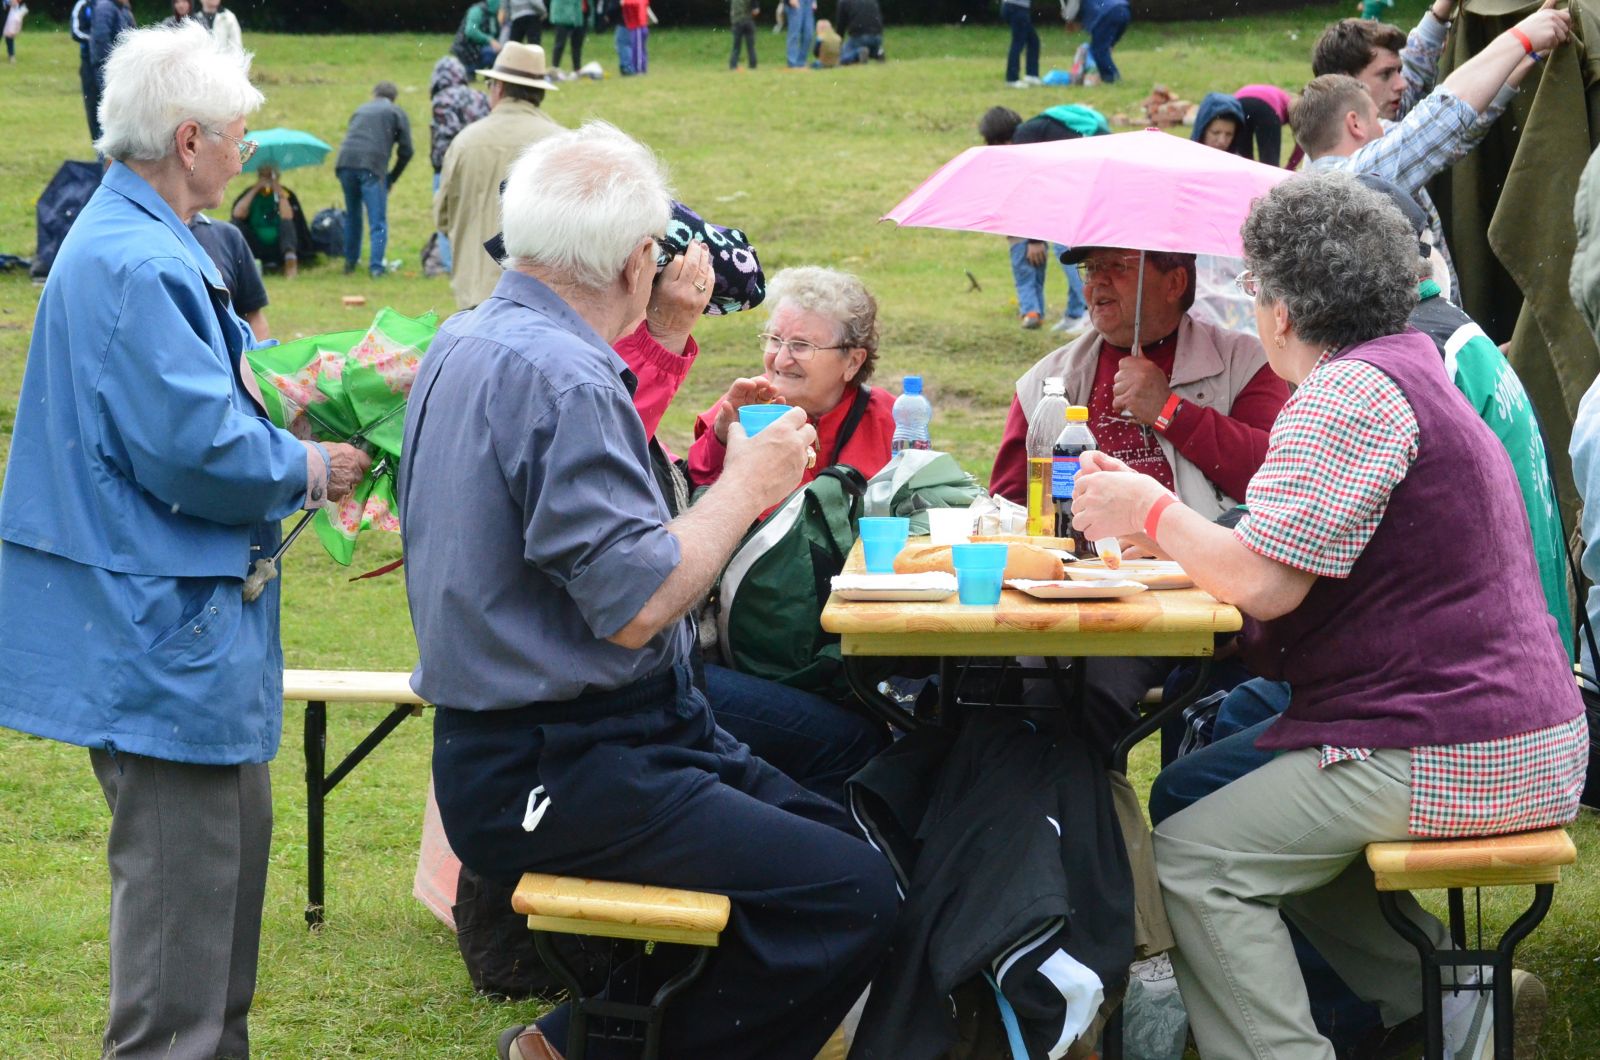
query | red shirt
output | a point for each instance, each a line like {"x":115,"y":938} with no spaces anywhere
{"x":659,"y":372}
{"x":866,"y":451}
{"x":1226,"y":447}
{"x":1122,"y":436}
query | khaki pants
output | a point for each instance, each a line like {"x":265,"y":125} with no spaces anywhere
{"x":1288,"y":837}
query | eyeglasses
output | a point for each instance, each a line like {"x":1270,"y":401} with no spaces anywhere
{"x":665,"y":252}
{"x":247,"y":148}
{"x":799,"y":349}
{"x":1111,"y":268}
{"x":1246,"y":281}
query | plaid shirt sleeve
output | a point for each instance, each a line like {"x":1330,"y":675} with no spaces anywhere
{"x":1339,"y":447}
{"x":1436,"y":134}
{"x":1419,"y":59}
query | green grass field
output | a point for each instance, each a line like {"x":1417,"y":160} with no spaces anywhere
{"x":805,"y":163}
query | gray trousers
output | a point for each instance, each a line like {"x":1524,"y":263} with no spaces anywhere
{"x":188,"y":860}
{"x":1288,"y":837}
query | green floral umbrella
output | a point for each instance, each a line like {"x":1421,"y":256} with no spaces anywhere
{"x":349,"y":386}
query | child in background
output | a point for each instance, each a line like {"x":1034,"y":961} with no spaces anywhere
{"x":633,"y":35}
{"x":1030,"y":258}
{"x":742,"y":15}
{"x":1219,"y":122}
{"x":14,"y":10}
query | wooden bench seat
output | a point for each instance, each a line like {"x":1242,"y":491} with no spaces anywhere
{"x":574,"y":906}
{"x":1493,"y":861}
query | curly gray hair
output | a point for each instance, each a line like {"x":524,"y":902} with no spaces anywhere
{"x":839,"y":296}
{"x":1338,"y":255}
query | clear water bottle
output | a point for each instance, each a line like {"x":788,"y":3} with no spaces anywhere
{"x":911,"y":415}
{"x":1074,"y":440}
{"x":1042,"y":430}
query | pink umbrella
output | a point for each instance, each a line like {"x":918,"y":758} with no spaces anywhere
{"x":1140,"y":190}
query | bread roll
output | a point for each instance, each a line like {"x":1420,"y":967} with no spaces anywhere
{"x":1023,"y":560}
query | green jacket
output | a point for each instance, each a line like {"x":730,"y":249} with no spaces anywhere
{"x":576,"y":14}
{"x":1512,"y":246}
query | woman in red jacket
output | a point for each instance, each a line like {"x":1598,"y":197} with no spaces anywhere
{"x":818,"y":351}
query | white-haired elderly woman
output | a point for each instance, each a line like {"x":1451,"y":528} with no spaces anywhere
{"x":819,"y":349}
{"x":548,"y":587}
{"x":144,"y":480}
{"x":1388,"y":574}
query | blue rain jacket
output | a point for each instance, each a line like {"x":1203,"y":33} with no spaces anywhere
{"x":143,"y":479}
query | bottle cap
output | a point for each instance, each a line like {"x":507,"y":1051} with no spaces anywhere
{"x":1077,"y":414}
{"x":911,"y":384}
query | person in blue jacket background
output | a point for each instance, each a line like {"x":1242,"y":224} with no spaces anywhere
{"x":144,"y":478}
{"x":1106,"y":22}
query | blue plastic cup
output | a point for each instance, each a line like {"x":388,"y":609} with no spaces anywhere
{"x":754,"y":417}
{"x":980,"y":571}
{"x":882,"y":538}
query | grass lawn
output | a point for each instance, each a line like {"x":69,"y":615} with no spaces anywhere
{"x":805,"y":163}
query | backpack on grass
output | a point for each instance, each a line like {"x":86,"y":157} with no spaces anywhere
{"x":327,"y":232}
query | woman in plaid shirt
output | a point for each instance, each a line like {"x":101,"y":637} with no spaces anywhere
{"x":1388,"y":574}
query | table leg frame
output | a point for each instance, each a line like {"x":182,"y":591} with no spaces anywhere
{"x":319,"y":783}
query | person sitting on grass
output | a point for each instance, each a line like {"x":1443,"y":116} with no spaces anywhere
{"x":269,"y":217}
{"x":1376,"y":473}
{"x":818,"y":351}
{"x":860,"y":23}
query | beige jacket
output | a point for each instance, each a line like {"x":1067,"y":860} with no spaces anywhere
{"x":466,"y":207}
{"x":1210,"y":368}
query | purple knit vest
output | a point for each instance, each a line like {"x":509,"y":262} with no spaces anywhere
{"x":1440,"y":634}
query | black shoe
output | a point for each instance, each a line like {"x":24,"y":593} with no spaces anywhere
{"x":349,"y":267}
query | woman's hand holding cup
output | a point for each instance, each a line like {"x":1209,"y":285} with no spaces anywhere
{"x":756,"y":391}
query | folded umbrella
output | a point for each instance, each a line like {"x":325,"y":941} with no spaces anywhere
{"x":285,"y":149}
{"x":349,"y":386}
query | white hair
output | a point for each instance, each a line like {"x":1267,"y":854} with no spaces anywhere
{"x":156,"y":79}
{"x":577,"y":203}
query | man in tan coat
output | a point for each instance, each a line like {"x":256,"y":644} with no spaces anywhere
{"x":467,"y":205}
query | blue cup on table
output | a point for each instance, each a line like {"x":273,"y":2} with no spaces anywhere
{"x":755,"y":417}
{"x":882,"y":538}
{"x":980,"y":571}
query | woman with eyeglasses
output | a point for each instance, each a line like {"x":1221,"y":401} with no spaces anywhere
{"x":1388,"y":573}
{"x":819,"y":349}
{"x":144,"y":479}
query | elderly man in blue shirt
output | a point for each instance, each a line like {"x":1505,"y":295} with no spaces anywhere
{"x":144,"y":479}
{"x":549,"y":588}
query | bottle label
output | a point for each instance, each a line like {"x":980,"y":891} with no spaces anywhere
{"x":1063,"y":475}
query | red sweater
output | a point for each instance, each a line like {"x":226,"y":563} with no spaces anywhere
{"x":866,"y":451}
{"x":660,"y":372}
{"x":1226,"y":448}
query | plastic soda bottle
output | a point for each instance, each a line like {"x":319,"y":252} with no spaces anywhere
{"x":1050,"y":410}
{"x":911,"y":415}
{"x":1073,"y":441}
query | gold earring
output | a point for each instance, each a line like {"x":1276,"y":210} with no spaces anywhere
{"x":1279,"y":341}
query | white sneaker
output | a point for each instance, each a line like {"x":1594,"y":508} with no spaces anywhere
{"x":1070,"y":327}
{"x":1018,"y":84}
{"x":1469,"y":1018}
{"x":1032,"y":79}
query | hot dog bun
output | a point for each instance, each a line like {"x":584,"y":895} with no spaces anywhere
{"x":1023,"y":560}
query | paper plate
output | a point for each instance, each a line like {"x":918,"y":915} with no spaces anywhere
{"x":1078,"y":589}
{"x":1152,"y":573}
{"x":932,"y":585}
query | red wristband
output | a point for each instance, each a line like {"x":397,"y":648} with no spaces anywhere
{"x":1169,"y":410}
{"x":1522,"y":38}
{"x":1152,"y":518}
